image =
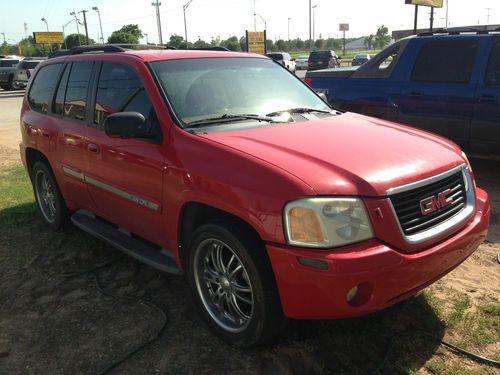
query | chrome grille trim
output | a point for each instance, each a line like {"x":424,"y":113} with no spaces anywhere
{"x":448,"y":224}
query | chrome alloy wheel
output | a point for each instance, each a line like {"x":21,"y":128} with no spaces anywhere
{"x":46,"y":196}
{"x":223,"y":285}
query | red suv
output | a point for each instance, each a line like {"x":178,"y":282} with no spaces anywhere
{"x":228,"y":168}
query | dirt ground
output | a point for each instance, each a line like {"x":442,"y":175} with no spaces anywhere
{"x":52,"y":324}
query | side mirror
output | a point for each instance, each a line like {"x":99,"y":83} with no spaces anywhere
{"x":323,"y":96}
{"x":127,"y":125}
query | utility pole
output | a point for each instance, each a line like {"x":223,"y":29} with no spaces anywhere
{"x":447,"y":8}
{"x":77,"y":29}
{"x":157,"y":4}
{"x":85,"y":24}
{"x":289,"y":28}
{"x":100,"y":23}
{"x":415,"y":23}
{"x":314,"y":22}
{"x":488,"y":16}
{"x":432,"y":20}
{"x":146,"y":35}
{"x":26,"y":33}
{"x":254,"y":17}
{"x":184,"y":7}
{"x":310,"y":40}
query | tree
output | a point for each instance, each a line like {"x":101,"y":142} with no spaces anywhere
{"x":280,"y":45}
{"x":73,"y":41}
{"x":176,"y":41}
{"x":232,"y":44}
{"x":128,"y":34}
{"x":369,"y":41}
{"x":382,"y":37}
{"x":201,"y":44}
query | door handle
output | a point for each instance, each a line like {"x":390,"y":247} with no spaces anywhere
{"x":488,"y":98}
{"x":92,"y":147}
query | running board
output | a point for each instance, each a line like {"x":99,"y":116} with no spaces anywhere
{"x":160,"y":259}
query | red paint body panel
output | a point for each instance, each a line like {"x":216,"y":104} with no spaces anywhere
{"x":387,"y":275}
{"x":252,"y":174}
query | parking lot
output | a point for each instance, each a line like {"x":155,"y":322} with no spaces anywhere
{"x":52,"y":324}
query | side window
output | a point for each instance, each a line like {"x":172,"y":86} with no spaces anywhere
{"x":446,"y":61}
{"x":61,"y":92}
{"x":42,"y":88}
{"x":493,"y":71}
{"x":388,"y":60}
{"x":75,"y":101}
{"x":120,"y":90}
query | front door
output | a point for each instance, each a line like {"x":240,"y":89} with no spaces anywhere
{"x":485,"y":130}
{"x":125,"y":176}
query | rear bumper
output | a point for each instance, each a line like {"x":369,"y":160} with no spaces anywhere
{"x":384,"y":275}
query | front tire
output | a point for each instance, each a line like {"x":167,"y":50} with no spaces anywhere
{"x":49,"y":200}
{"x":233,"y":285}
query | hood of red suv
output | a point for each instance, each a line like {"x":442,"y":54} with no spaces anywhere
{"x":349,"y":154}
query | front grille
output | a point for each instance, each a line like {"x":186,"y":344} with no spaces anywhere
{"x":407,"y":204}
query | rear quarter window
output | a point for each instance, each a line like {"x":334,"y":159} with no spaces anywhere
{"x":42,"y":88}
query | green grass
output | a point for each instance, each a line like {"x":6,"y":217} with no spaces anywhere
{"x":16,"y":194}
{"x":348,"y":55}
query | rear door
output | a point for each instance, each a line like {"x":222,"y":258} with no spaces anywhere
{"x":439,"y":95}
{"x":125,"y":176}
{"x":485,"y":129}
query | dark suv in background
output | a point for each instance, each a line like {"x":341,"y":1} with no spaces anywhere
{"x":323,"y":59}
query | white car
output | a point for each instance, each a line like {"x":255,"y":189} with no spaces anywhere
{"x":284,"y":59}
{"x":301,"y":62}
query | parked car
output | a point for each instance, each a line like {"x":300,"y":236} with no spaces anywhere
{"x":302,"y":62}
{"x":448,"y":84}
{"x":360,"y":59}
{"x":16,"y":78}
{"x":323,"y":59}
{"x":7,"y":64}
{"x":284,"y":59}
{"x":224,"y":167}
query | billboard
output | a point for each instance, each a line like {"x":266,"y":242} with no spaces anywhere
{"x":256,"y":42}
{"x":343,"y":27}
{"x":426,"y":3}
{"x":45,"y":37}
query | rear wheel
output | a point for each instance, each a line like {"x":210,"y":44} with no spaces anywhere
{"x":50,"y":202}
{"x":233,"y":285}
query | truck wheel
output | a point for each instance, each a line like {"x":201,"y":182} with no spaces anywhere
{"x":233,"y":285}
{"x":50,"y":202}
{"x":14,"y":85}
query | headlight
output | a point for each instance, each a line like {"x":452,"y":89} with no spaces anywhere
{"x":326,"y":222}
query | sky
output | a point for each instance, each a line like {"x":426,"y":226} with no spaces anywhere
{"x":207,"y":19}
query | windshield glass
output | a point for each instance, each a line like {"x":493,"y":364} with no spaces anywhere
{"x":208,"y":88}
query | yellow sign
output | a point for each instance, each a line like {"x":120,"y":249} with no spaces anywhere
{"x":426,"y":3}
{"x":48,"y":37}
{"x":256,"y":42}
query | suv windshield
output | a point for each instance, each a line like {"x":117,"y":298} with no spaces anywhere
{"x":211,"y":88}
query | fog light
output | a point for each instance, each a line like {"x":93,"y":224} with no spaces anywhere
{"x":351,"y":294}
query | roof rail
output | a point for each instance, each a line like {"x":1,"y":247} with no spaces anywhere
{"x":106,"y":48}
{"x":211,"y":49}
{"x":458,"y":31}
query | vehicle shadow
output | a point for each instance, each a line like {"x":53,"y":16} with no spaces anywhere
{"x":45,"y":305}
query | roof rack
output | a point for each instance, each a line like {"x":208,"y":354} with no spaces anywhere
{"x":211,"y":49}
{"x":106,"y":48}
{"x":458,"y":31}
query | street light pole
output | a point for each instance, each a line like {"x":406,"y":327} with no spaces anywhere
{"x":100,"y":23}
{"x":77,"y":28}
{"x":289,"y":28}
{"x":46,"y":23}
{"x":146,"y":35}
{"x":64,"y":34}
{"x":263,"y":20}
{"x":184,"y":7}
{"x":158,"y":21}
{"x":310,"y":40}
{"x":447,"y":8}
{"x":314,"y":21}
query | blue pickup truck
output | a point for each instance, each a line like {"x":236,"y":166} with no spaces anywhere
{"x":446,"y":83}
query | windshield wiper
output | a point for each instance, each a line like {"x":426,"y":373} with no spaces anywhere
{"x":299,"y":110}
{"x":227,"y":118}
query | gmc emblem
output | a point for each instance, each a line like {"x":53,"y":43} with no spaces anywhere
{"x":431,"y":204}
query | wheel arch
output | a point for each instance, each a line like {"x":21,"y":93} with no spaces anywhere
{"x":194,"y":214}
{"x":32,"y":156}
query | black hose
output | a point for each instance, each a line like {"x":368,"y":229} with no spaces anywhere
{"x":94,"y":269}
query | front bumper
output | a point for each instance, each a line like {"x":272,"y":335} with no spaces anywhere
{"x":383,"y":274}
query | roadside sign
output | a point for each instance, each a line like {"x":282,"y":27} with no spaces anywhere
{"x":343,"y":27}
{"x":256,"y":42}
{"x":426,"y":3}
{"x":44,"y":37}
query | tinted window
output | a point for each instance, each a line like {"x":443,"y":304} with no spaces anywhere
{"x":446,"y":61}
{"x":76,"y":92}
{"x":120,"y":90}
{"x":8,"y":63}
{"x":275,"y":56}
{"x":318,"y":55}
{"x":43,"y":86}
{"x":493,"y":72}
{"x":27,"y":64}
{"x":61,"y":92}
